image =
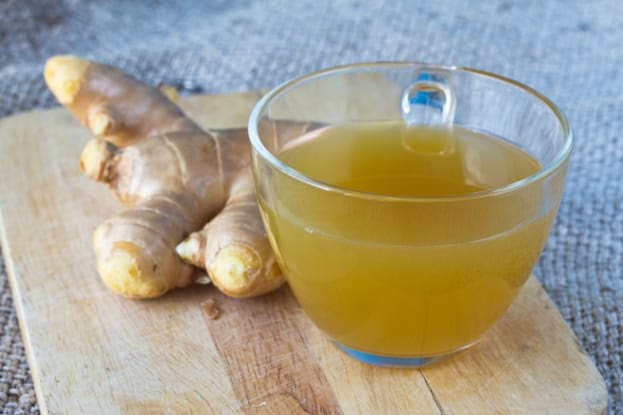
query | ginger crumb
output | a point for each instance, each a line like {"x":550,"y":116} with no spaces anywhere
{"x":211,"y":309}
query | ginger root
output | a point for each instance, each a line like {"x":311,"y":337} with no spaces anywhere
{"x":113,"y":105}
{"x":173,"y":183}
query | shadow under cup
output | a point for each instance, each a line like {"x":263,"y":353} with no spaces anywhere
{"x":395,"y":280}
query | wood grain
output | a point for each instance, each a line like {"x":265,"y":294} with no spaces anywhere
{"x":91,"y":351}
{"x":268,"y":357}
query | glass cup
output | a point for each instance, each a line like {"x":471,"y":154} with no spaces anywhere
{"x":396,"y":280}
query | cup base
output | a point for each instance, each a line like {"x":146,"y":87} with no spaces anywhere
{"x":391,"y":361}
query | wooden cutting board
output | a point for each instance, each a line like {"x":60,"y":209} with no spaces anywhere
{"x":93,"y":352}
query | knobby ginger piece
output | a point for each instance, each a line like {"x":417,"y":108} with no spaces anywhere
{"x":233,"y":246}
{"x":113,"y":105}
{"x":174,"y":178}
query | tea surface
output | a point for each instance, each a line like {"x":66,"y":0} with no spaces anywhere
{"x":391,"y":159}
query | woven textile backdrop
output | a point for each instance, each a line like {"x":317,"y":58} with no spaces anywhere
{"x":569,"y":50}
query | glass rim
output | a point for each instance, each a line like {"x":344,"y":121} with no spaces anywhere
{"x":546,"y":170}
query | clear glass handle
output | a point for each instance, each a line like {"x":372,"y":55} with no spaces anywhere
{"x":430,"y":100}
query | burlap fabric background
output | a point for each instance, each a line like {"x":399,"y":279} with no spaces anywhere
{"x":572,"y":51}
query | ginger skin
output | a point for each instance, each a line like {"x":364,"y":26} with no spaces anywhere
{"x":233,"y":245}
{"x":173,"y":183}
{"x":112,"y":104}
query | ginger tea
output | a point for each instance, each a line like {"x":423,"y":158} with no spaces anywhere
{"x":409,"y":256}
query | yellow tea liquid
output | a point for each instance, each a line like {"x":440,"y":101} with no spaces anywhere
{"x":398,"y":276}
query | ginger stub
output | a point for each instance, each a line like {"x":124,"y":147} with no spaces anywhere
{"x":174,"y":178}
